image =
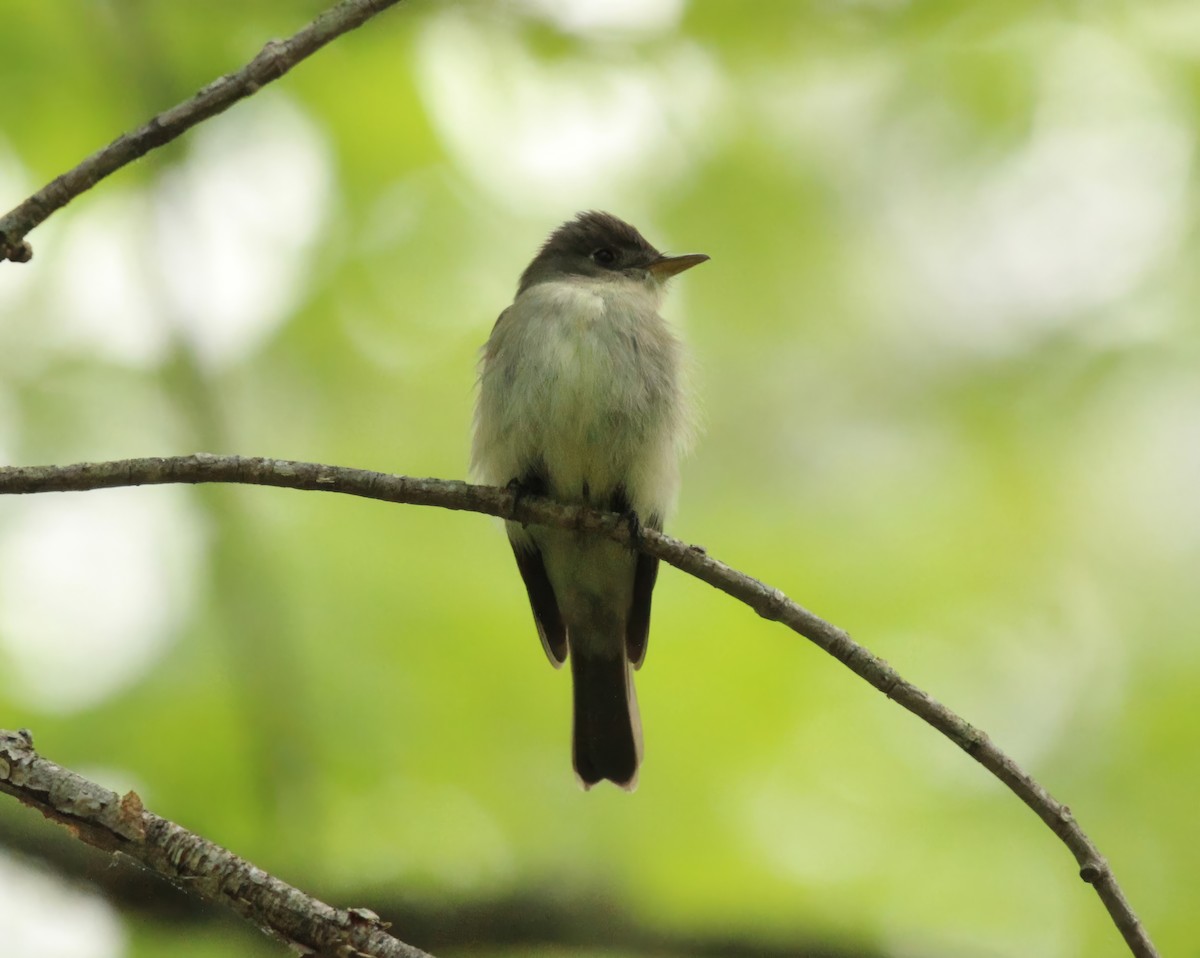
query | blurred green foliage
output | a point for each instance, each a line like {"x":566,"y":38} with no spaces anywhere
{"x":947,"y":353}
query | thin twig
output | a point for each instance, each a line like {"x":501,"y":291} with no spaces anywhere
{"x":768,"y":602}
{"x":272,"y":62}
{"x":119,"y":823}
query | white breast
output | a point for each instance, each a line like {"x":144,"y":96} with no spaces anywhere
{"x":584,"y":377}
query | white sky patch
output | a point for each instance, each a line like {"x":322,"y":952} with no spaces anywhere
{"x":44,"y":916}
{"x":92,"y":587}
{"x":236,"y":223}
{"x":590,"y":16}
{"x":221,"y":247}
{"x":1072,"y":221}
{"x":100,"y":293}
{"x":542,"y":135}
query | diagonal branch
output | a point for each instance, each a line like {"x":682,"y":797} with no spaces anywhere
{"x":768,"y":602}
{"x":119,"y":823}
{"x":272,"y":62}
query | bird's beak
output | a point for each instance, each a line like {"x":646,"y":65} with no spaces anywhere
{"x":666,"y":266}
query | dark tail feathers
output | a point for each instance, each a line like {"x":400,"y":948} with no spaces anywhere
{"x":607,"y":727}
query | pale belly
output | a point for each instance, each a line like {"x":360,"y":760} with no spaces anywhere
{"x":593,"y":416}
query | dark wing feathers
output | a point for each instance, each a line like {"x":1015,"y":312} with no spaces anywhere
{"x":546,"y":615}
{"x":637,"y":630}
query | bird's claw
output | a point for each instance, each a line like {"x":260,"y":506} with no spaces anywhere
{"x":634,"y":522}
{"x":518,"y":490}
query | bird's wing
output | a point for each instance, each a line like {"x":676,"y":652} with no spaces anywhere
{"x":546,"y":615}
{"x":637,"y":629}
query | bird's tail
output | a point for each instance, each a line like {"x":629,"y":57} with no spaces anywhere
{"x":607,"y":727}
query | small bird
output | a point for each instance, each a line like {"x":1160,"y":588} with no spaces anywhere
{"x":582,"y":399}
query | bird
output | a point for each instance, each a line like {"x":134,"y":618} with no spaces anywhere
{"x":582,"y":397}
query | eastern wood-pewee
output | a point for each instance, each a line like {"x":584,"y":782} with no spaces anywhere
{"x":581,"y":398}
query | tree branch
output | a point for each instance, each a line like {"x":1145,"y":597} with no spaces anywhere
{"x":272,"y":62}
{"x":119,"y":823}
{"x":768,"y":602}
{"x":561,"y":917}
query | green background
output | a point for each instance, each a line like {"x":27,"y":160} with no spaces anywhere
{"x":947,"y":357}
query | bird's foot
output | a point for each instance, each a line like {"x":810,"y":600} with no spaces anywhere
{"x":517,"y":488}
{"x":634,"y":522}
{"x":531,"y":485}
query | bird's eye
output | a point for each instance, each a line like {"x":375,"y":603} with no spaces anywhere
{"x":605,"y":257}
